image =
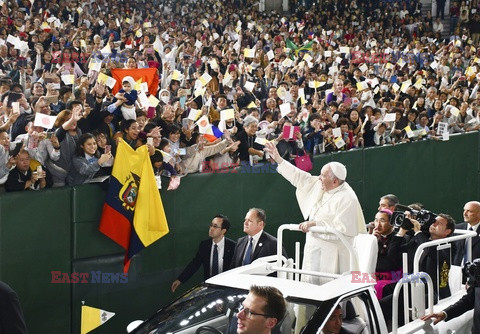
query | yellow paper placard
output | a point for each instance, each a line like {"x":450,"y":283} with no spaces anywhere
{"x":249,"y":53}
{"x":153,"y":100}
{"x":176,"y":75}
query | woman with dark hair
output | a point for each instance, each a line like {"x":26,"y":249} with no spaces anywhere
{"x":129,"y":132}
{"x":66,"y":61}
{"x":436,"y":108}
{"x":87,"y":162}
{"x":312,"y":134}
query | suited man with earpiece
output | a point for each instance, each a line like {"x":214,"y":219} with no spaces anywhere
{"x":214,"y":254}
{"x":257,"y":243}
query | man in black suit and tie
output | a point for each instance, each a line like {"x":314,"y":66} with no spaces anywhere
{"x":215,"y":254}
{"x":257,"y":243}
{"x":471,"y":215}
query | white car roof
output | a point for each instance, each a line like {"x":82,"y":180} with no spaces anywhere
{"x":290,"y":288}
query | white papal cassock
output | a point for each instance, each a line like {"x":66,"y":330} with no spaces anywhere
{"x":338,"y":208}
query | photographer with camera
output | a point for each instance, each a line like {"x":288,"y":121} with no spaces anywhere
{"x":469,"y":301}
{"x":442,"y":227}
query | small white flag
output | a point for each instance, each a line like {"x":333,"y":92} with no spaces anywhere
{"x":45,"y":121}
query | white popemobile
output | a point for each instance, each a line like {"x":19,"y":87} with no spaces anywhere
{"x":211,"y":306}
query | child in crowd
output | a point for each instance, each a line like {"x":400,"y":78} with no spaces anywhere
{"x":129,"y":97}
{"x":166,"y":150}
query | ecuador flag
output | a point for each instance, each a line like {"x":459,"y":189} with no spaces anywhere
{"x":148,"y":75}
{"x":133,"y":214}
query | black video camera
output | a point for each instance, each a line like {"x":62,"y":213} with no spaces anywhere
{"x":472,"y":271}
{"x":424,"y":217}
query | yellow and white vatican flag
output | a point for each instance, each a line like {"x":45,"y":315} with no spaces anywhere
{"x":93,"y":317}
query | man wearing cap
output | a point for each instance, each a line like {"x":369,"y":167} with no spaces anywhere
{"x":326,"y":201}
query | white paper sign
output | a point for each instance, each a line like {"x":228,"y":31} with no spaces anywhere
{"x":363,"y":68}
{"x":285,"y":109}
{"x":442,"y":128}
{"x":270,"y":55}
{"x":68,"y":79}
{"x":337,"y":132}
{"x":390,"y":117}
{"x":16,"y":107}
{"x":194,"y":114}
{"x":261,"y":141}
{"x":144,"y":100}
{"x":339,"y":142}
{"x":227,"y":114}
{"x":249,"y":86}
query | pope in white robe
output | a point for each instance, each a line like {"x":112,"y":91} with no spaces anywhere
{"x":326,"y":201}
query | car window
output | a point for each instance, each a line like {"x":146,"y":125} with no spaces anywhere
{"x":212,"y":309}
{"x":201,"y":306}
{"x":353,"y":314}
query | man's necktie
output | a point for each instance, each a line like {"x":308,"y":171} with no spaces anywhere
{"x":215,"y":260}
{"x":248,"y":253}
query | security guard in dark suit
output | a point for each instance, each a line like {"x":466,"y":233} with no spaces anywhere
{"x":215,"y":254}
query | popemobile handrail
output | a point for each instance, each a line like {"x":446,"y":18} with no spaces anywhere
{"x":314,"y":229}
{"x":464,"y":234}
{"x":409,"y":279}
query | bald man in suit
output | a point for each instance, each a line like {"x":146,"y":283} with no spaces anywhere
{"x":471,"y":217}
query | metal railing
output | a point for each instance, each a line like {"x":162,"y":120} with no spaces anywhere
{"x":464,"y":234}
{"x":409,"y":279}
{"x":313,"y":229}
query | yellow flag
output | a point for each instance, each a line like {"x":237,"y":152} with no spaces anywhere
{"x":93,"y":317}
{"x":149,"y":221}
{"x":133,"y":197}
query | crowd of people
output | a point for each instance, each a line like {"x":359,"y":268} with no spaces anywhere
{"x":329,"y":76}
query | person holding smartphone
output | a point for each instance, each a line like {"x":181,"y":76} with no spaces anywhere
{"x":22,"y":177}
{"x":88,"y":162}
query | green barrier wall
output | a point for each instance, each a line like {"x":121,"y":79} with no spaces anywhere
{"x":56,"y":230}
